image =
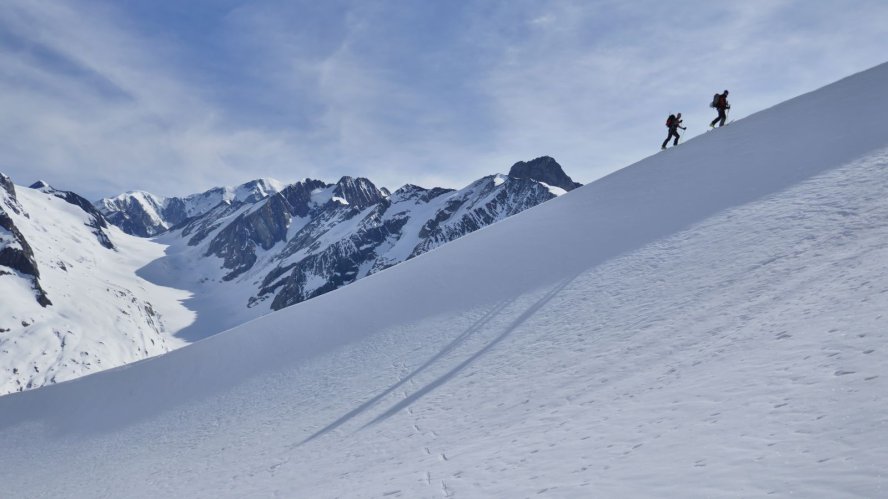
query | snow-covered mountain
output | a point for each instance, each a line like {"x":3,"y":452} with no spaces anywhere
{"x":96,"y":220}
{"x":71,"y":301}
{"x":16,"y":254}
{"x":143,"y":214}
{"x":233,"y":254}
{"x":249,"y":255}
{"x":680,"y":328}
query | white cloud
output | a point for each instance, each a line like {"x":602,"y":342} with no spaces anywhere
{"x":145,"y":129}
{"x":594,"y":88}
{"x":398,"y":94}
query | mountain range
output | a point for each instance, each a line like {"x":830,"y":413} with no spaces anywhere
{"x":238,"y":252}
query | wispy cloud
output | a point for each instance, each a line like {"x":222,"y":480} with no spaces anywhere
{"x":594,"y":83}
{"x":102,"y":97}
{"x":94,"y":107}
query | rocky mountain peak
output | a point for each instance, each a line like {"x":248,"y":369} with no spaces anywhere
{"x":7,"y":185}
{"x":358,"y":192}
{"x":256,"y":190}
{"x":9,"y":199}
{"x":15,"y":252}
{"x":544,"y":169}
{"x":415,"y":192}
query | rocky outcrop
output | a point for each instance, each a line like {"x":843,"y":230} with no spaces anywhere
{"x":8,"y":197}
{"x":299,"y":196}
{"x":15,"y":252}
{"x":263,"y":228}
{"x":544,"y":169}
{"x":357,"y":192}
{"x":417,"y":193}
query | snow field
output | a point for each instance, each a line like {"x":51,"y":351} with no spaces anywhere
{"x":102,"y":314}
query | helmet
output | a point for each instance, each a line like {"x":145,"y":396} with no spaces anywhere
{"x":726,"y":92}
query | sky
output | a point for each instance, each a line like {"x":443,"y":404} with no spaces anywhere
{"x":102,"y":97}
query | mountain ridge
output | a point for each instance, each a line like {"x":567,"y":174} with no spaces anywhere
{"x":241,"y":252}
{"x":312,"y":237}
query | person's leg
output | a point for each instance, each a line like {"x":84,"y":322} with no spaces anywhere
{"x":677,"y":136}
{"x":722,"y":116}
{"x":712,"y":124}
{"x":672,"y":133}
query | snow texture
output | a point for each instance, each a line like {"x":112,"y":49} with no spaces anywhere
{"x":102,"y":315}
{"x":708,"y":322}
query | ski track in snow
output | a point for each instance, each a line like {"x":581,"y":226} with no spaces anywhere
{"x":742,"y":355}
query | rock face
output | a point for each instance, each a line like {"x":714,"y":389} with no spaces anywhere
{"x":262,"y":227}
{"x":15,"y":252}
{"x":544,"y":169}
{"x":139,"y":213}
{"x":143,"y":214}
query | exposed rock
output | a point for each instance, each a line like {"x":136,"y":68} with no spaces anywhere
{"x":544,"y":169}
{"x":10,"y":200}
{"x":16,"y":253}
{"x":415,"y":192}
{"x":263,"y":227}
{"x":358,"y":192}
{"x":7,"y":185}
{"x":298,"y":196}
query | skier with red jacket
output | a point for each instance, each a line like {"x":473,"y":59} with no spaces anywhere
{"x":720,"y":103}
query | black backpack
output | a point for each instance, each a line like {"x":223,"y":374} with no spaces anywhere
{"x":670,"y":121}
{"x":714,"y":102}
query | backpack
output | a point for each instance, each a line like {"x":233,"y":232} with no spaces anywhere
{"x":670,"y":121}
{"x":714,"y":102}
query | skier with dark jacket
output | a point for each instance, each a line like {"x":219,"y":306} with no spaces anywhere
{"x":674,"y":123}
{"x":720,"y":103}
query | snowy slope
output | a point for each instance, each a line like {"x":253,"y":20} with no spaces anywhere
{"x":102,"y":315}
{"x":708,"y":322}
